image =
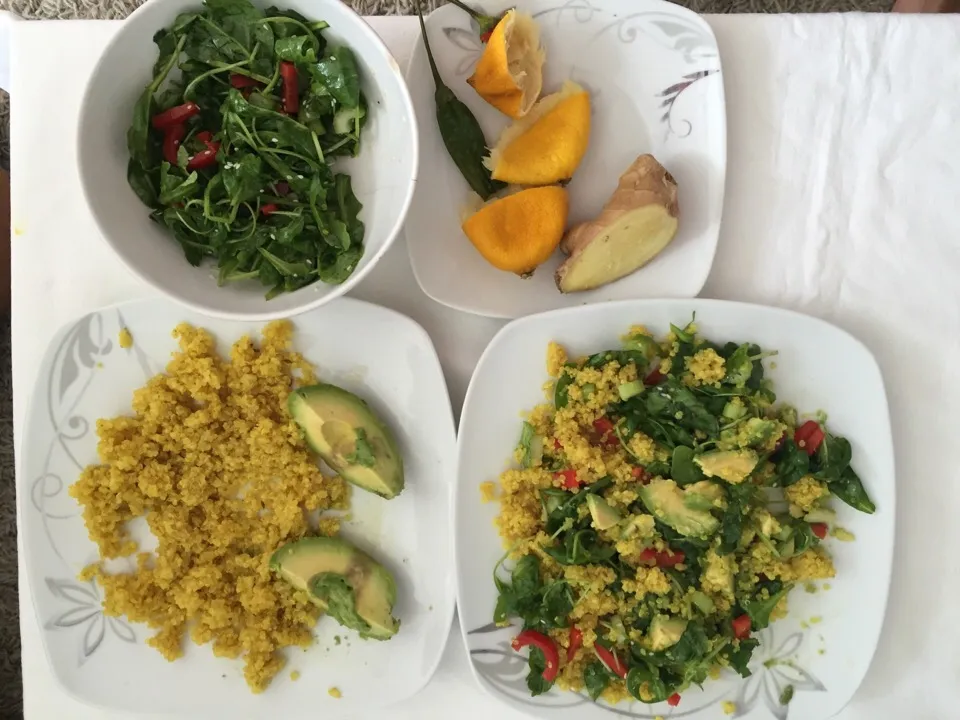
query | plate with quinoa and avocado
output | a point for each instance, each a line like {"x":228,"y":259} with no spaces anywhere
{"x":674,"y":508}
{"x":251,"y":514}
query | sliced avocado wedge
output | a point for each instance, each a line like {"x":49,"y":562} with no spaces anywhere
{"x":665,"y":631}
{"x":731,"y":465}
{"x":604,"y":516}
{"x":665,"y":501}
{"x":342,"y":429}
{"x":349,"y":585}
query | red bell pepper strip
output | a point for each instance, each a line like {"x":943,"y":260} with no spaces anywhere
{"x":611,"y":661}
{"x":662,"y":559}
{"x":655,"y":377}
{"x":819,"y":529}
{"x":809,"y":436}
{"x":485,"y":37}
{"x":291,"y":87}
{"x":639,"y":473}
{"x":175,"y":115}
{"x":547,"y":646}
{"x":204,"y":136}
{"x":673,"y":700}
{"x":204,"y":158}
{"x":557,"y":445}
{"x":243,"y":81}
{"x":741,"y":627}
{"x":171,"y":142}
{"x":576,"y":640}
{"x":604,"y":426}
{"x":268,"y":209}
{"x":570,"y":479}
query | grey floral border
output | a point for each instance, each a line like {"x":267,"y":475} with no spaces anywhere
{"x":772,"y":671}
{"x":76,"y":359}
{"x":672,"y":30}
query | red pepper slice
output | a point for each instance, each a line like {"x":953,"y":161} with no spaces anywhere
{"x":809,"y":436}
{"x":204,"y":158}
{"x":670,"y":558}
{"x":662,"y":559}
{"x":639,"y":473}
{"x":175,"y":115}
{"x":570,"y":480}
{"x":171,"y":142}
{"x":604,"y":426}
{"x":741,"y":627}
{"x":819,"y":529}
{"x":268,"y":209}
{"x":485,"y":37}
{"x":576,"y":640}
{"x":547,"y":646}
{"x":291,"y":87}
{"x":204,"y":136}
{"x":610,"y":659}
{"x":655,"y":377}
{"x":557,"y":445}
{"x":243,"y":81}
{"x":673,"y":700}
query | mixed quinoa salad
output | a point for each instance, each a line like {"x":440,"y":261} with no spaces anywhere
{"x":664,"y":508}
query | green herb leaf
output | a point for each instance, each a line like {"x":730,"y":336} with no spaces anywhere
{"x":596,"y":678}
{"x":337,"y":73}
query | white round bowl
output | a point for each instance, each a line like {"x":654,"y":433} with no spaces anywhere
{"x":383,"y":174}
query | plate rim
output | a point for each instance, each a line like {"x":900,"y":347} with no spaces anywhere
{"x":722,"y":123}
{"x":446,"y":418}
{"x":636,"y":306}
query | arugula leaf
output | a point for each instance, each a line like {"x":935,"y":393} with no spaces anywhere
{"x":337,"y":73}
{"x":596,"y":678}
{"x":141,"y":183}
{"x":580,"y":547}
{"x":560,"y":397}
{"x":243,"y":177}
{"x":363,"y":453}
{"x":759,"y":609}
{"x":739,"y":654}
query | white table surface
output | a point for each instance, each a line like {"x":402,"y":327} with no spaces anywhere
{"x":842,"y":189}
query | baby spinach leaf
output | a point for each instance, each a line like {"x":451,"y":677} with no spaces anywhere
{"x":791,"y":464}
{"x":535,"y":680}
{"x":333,"y":267}
{"x":683,"y":469}
{"x":596,"y":678}
{"x":850,"y":489}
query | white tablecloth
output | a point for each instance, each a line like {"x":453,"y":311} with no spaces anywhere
{"x":843,"y":201}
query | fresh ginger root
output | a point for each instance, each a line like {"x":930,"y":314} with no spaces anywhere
{"x":637,"y":223}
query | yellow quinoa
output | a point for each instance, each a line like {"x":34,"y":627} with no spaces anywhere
{"x":125,"y":339}
{"x":334,"y":693}
{"x":219,"y":470}
{"x":488,"y":491}
{"x":295,"y":675}
{"x":729,"y":707}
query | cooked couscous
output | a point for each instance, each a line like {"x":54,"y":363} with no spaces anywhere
{"x":644,"y":551}
{"x":212,"y":461}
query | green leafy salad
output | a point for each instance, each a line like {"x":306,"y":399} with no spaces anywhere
{"x":232,"y":145}
{"x":663,"y":508}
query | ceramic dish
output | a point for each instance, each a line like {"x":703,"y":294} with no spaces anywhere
{"x":818,"y":366}
{"x":653,"y":72}
{"x":383,"y":174}
{"x":105,"y":661}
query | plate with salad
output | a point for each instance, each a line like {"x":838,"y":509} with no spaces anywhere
{"x":686,"y":509}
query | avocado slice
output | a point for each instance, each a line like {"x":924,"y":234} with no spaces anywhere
{"x":604,"y":516}
{"x":665,"y":501}
{"x":343,"y":430}
{"x":665,"y":631}
{"x":731,"y":465}
{"x":704,"y":495}
{"x":349,"y":585}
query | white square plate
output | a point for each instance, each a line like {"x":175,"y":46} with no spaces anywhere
{"x":819,"y":366}
{"x":383,"y":356}
{"x":653,"y":72}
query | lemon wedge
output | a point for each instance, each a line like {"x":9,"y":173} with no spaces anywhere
{"x":547,"y":145}
{"x":509,"y":74}
{"x":518,"y":232}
